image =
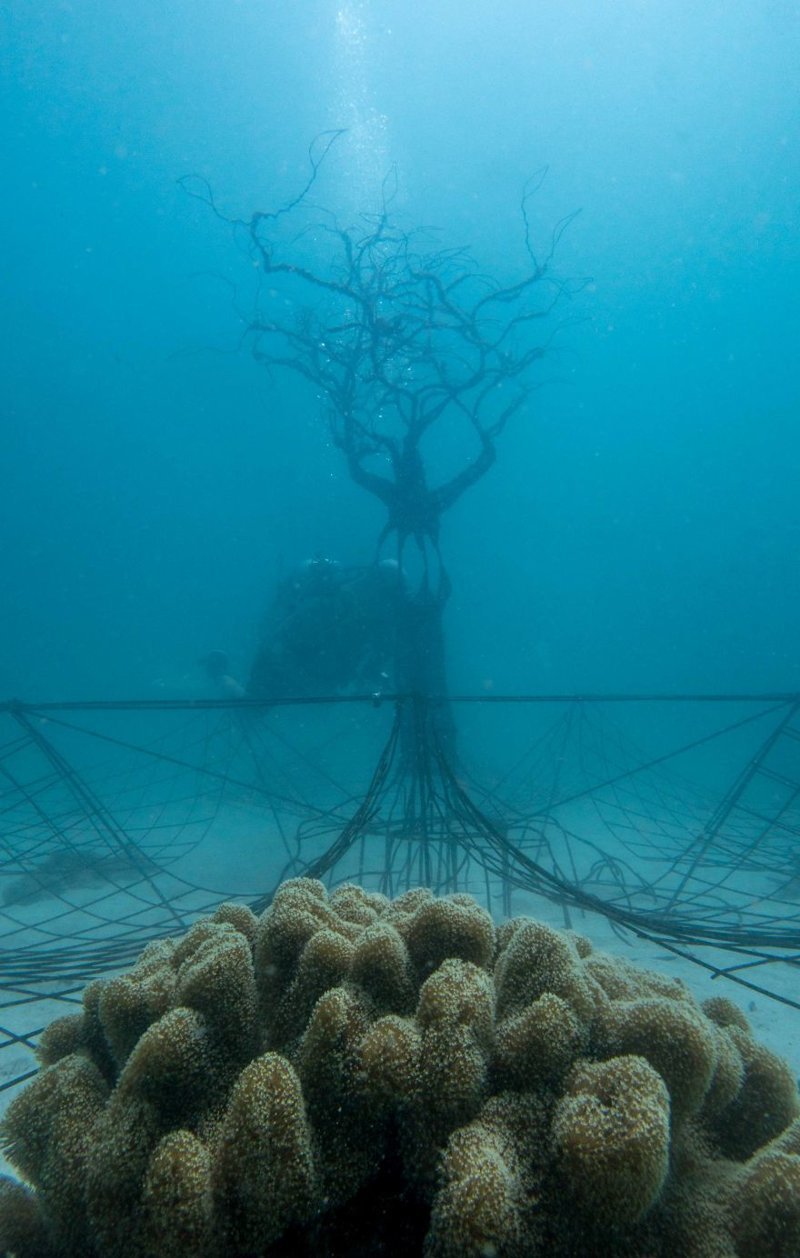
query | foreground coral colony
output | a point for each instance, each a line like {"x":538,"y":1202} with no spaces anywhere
{"x":353,"y":1075}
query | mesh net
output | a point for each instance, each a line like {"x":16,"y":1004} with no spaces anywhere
{"x":674,"y":819}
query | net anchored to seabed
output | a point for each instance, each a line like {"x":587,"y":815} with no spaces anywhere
{"x":673,"y":817}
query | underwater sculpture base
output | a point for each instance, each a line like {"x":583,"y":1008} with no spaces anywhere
{"x":349,"y":1074}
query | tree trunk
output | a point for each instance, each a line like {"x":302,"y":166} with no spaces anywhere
{"x":422,"y":672}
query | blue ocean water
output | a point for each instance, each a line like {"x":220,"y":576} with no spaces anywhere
{"x":638,"y":532}
{"x":640,"y":528}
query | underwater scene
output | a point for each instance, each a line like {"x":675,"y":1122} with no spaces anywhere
{"x":400,"y":649}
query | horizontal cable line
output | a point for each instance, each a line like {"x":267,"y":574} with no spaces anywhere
{"x":15,"y":706}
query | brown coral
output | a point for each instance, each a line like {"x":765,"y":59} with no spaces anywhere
{"x":493,"y":1178}
{"x":537,"y":959}
{"x":767,"y":1207}
{"x":23,"y":1229}
{"x":537,"y":1046}
{"x":765,"y":1104}
{"x":218,"y":981}
{"x":351,"y":1074}
{"x":51,"y":1125}
{"x":611,"y":1131}
{"x":176,"y":1198}
{"x":263,"y":1172}
{"x":675,"y":1039}
{"x":442,"y":929}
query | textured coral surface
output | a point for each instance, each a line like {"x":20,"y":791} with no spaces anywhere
{"x":352,"y":1075}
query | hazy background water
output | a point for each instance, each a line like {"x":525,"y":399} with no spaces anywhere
{"x":640,"y":528}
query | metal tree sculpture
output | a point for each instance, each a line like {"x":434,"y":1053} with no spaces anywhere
{"x":403,"y":340}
